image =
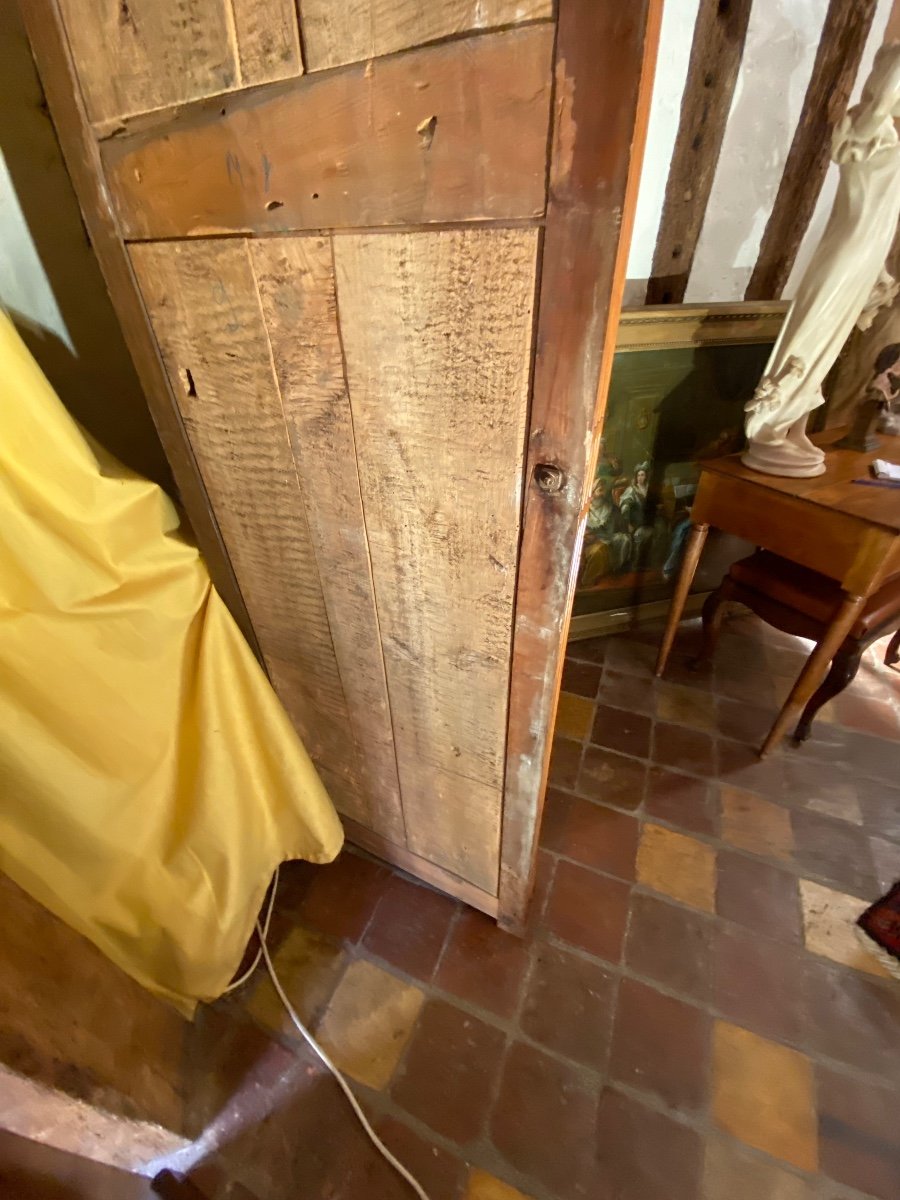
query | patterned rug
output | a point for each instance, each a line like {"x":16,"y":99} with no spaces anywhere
{"x":880,"y":924}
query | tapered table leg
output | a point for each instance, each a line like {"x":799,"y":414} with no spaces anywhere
{"x":813,"y":670}
{"x":685,"y":578}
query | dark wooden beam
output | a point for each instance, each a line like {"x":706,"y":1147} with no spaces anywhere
{"x":844,"y":33}
{"x":716,"y":53}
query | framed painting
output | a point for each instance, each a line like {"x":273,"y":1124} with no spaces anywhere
{"x":681,"y":376}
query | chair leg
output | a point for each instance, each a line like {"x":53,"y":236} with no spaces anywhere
{"x":842,"y":673}
{"x":713,"y":612}
{"x":892,"y":654}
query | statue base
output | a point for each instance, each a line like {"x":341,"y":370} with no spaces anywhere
{"x":790,"y":458}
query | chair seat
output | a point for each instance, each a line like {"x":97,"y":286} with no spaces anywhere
{"x":814,"y":595}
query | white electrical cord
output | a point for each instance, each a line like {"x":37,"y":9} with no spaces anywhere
{"x":262,"y":931}
{"x":232,"y":987}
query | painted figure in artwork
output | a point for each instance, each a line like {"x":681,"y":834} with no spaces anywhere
{"x":607,"y":544}
{"x":844,"y":282}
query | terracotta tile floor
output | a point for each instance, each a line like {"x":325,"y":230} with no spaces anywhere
{"x":690,"y":1016}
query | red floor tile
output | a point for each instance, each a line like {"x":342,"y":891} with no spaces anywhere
{"x":661,"y":1045}
{"x":836,"y":850}
{"x":612,"y":778}
{"x":483,"y":965}
{"x":543,"y":1122}
{"x":684,"y":749}
{"x":635,"y":693}
{"x":852,"y":1018}
{"x":760,"y":896}
{"x":409,"y":927}
{"x":447,"y":1077}
{"x":565,"y":760}
{"x":684,"y":801}
{"x":623,"y":731}
{"x":759,"y":984}
{"x":342,"y":896}
{"x":568,"y":1006}
{"x":582,"y":678}
{"x":642,"y":1154}
{"x":859,"y":1133}
{"x":588,"y":911}
{"x":594,"y":835}
{"x":670,"y":945}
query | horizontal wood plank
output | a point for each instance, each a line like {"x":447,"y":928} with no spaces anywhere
{"x":388,"y":144}
{"x":296,"y":285}
{"x":357,"y":29}
{"x":438,"y":374}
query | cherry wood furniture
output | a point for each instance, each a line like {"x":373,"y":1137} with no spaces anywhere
{"x":803,"y":602}
{"x":847,"y":531}
{"x":368,"y":259}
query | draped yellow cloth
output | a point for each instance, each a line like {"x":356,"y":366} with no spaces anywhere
{"x":150,"y":781}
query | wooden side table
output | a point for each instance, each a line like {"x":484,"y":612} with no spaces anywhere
{"x":847,"y":531}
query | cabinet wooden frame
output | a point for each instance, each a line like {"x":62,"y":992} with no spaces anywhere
{"x":604,"y":59}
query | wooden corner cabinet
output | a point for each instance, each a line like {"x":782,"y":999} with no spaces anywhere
{"x":368,"y":257}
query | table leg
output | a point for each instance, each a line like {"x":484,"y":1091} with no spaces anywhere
{"x":814,"y":670}
{"x":682,"y":587}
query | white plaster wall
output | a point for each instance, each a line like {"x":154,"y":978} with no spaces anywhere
{"x":679,"y":17}
{"x":826,"y":196}
{"x":779,"y":53}
{"x":781,"y":44}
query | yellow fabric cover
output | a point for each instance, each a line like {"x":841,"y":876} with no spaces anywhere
{"x":151,"y":780}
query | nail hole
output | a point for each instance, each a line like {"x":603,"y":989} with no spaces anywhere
{"x":221,"y":112}
{"x":315,"y":195}
{"x":188,"y":380}
{"x":273,"y":204}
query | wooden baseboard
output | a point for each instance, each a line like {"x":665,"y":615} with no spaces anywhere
{"x":589,"y":625}
{"x":421,"y":868}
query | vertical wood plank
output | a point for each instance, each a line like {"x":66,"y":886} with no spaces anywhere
{"x":296,"y":285}
{"x":52,"y":56}
{"x":598,"y":142}
{"x":844,"y":33}
{"x":268,"y":40}
{"x":136,"y":55}
{"x":438,"y":376}
{"x":203,"y":303}
{"x":716,"y":53}
{"x":353,"y":30}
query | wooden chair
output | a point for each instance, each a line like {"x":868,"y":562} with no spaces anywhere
{"x":802,"y":602}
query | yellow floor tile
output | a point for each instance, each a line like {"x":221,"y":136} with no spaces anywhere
{"x":686,"y":706}
{"x":677,"y":865}
{"x":486,"y":1187}
{"x":308,"y":968}
{"x":829,"y":927}
{"x":763,"y":1095}
{"x":755,"y":824}
{"x":574,"y":716}
{"x":368,"y":1023}
{"x":732,"y":1173}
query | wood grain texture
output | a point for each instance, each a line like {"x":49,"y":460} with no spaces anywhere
{"x":296,"y":285}
{"x":51,"y":52}
{"x":205,"y":311}
{"x":598,"y":141}
{"x":365,"y":157}
{"x":268,"y":40}
{"x":841,"y":45}
{"x":421,"y":868}
{"x":135,"y":55}
{"x":716,"y":53}
{"x":359,"y":29}
{"x":438,"y":375}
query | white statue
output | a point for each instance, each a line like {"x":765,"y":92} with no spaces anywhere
{"x":846,"y":279}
